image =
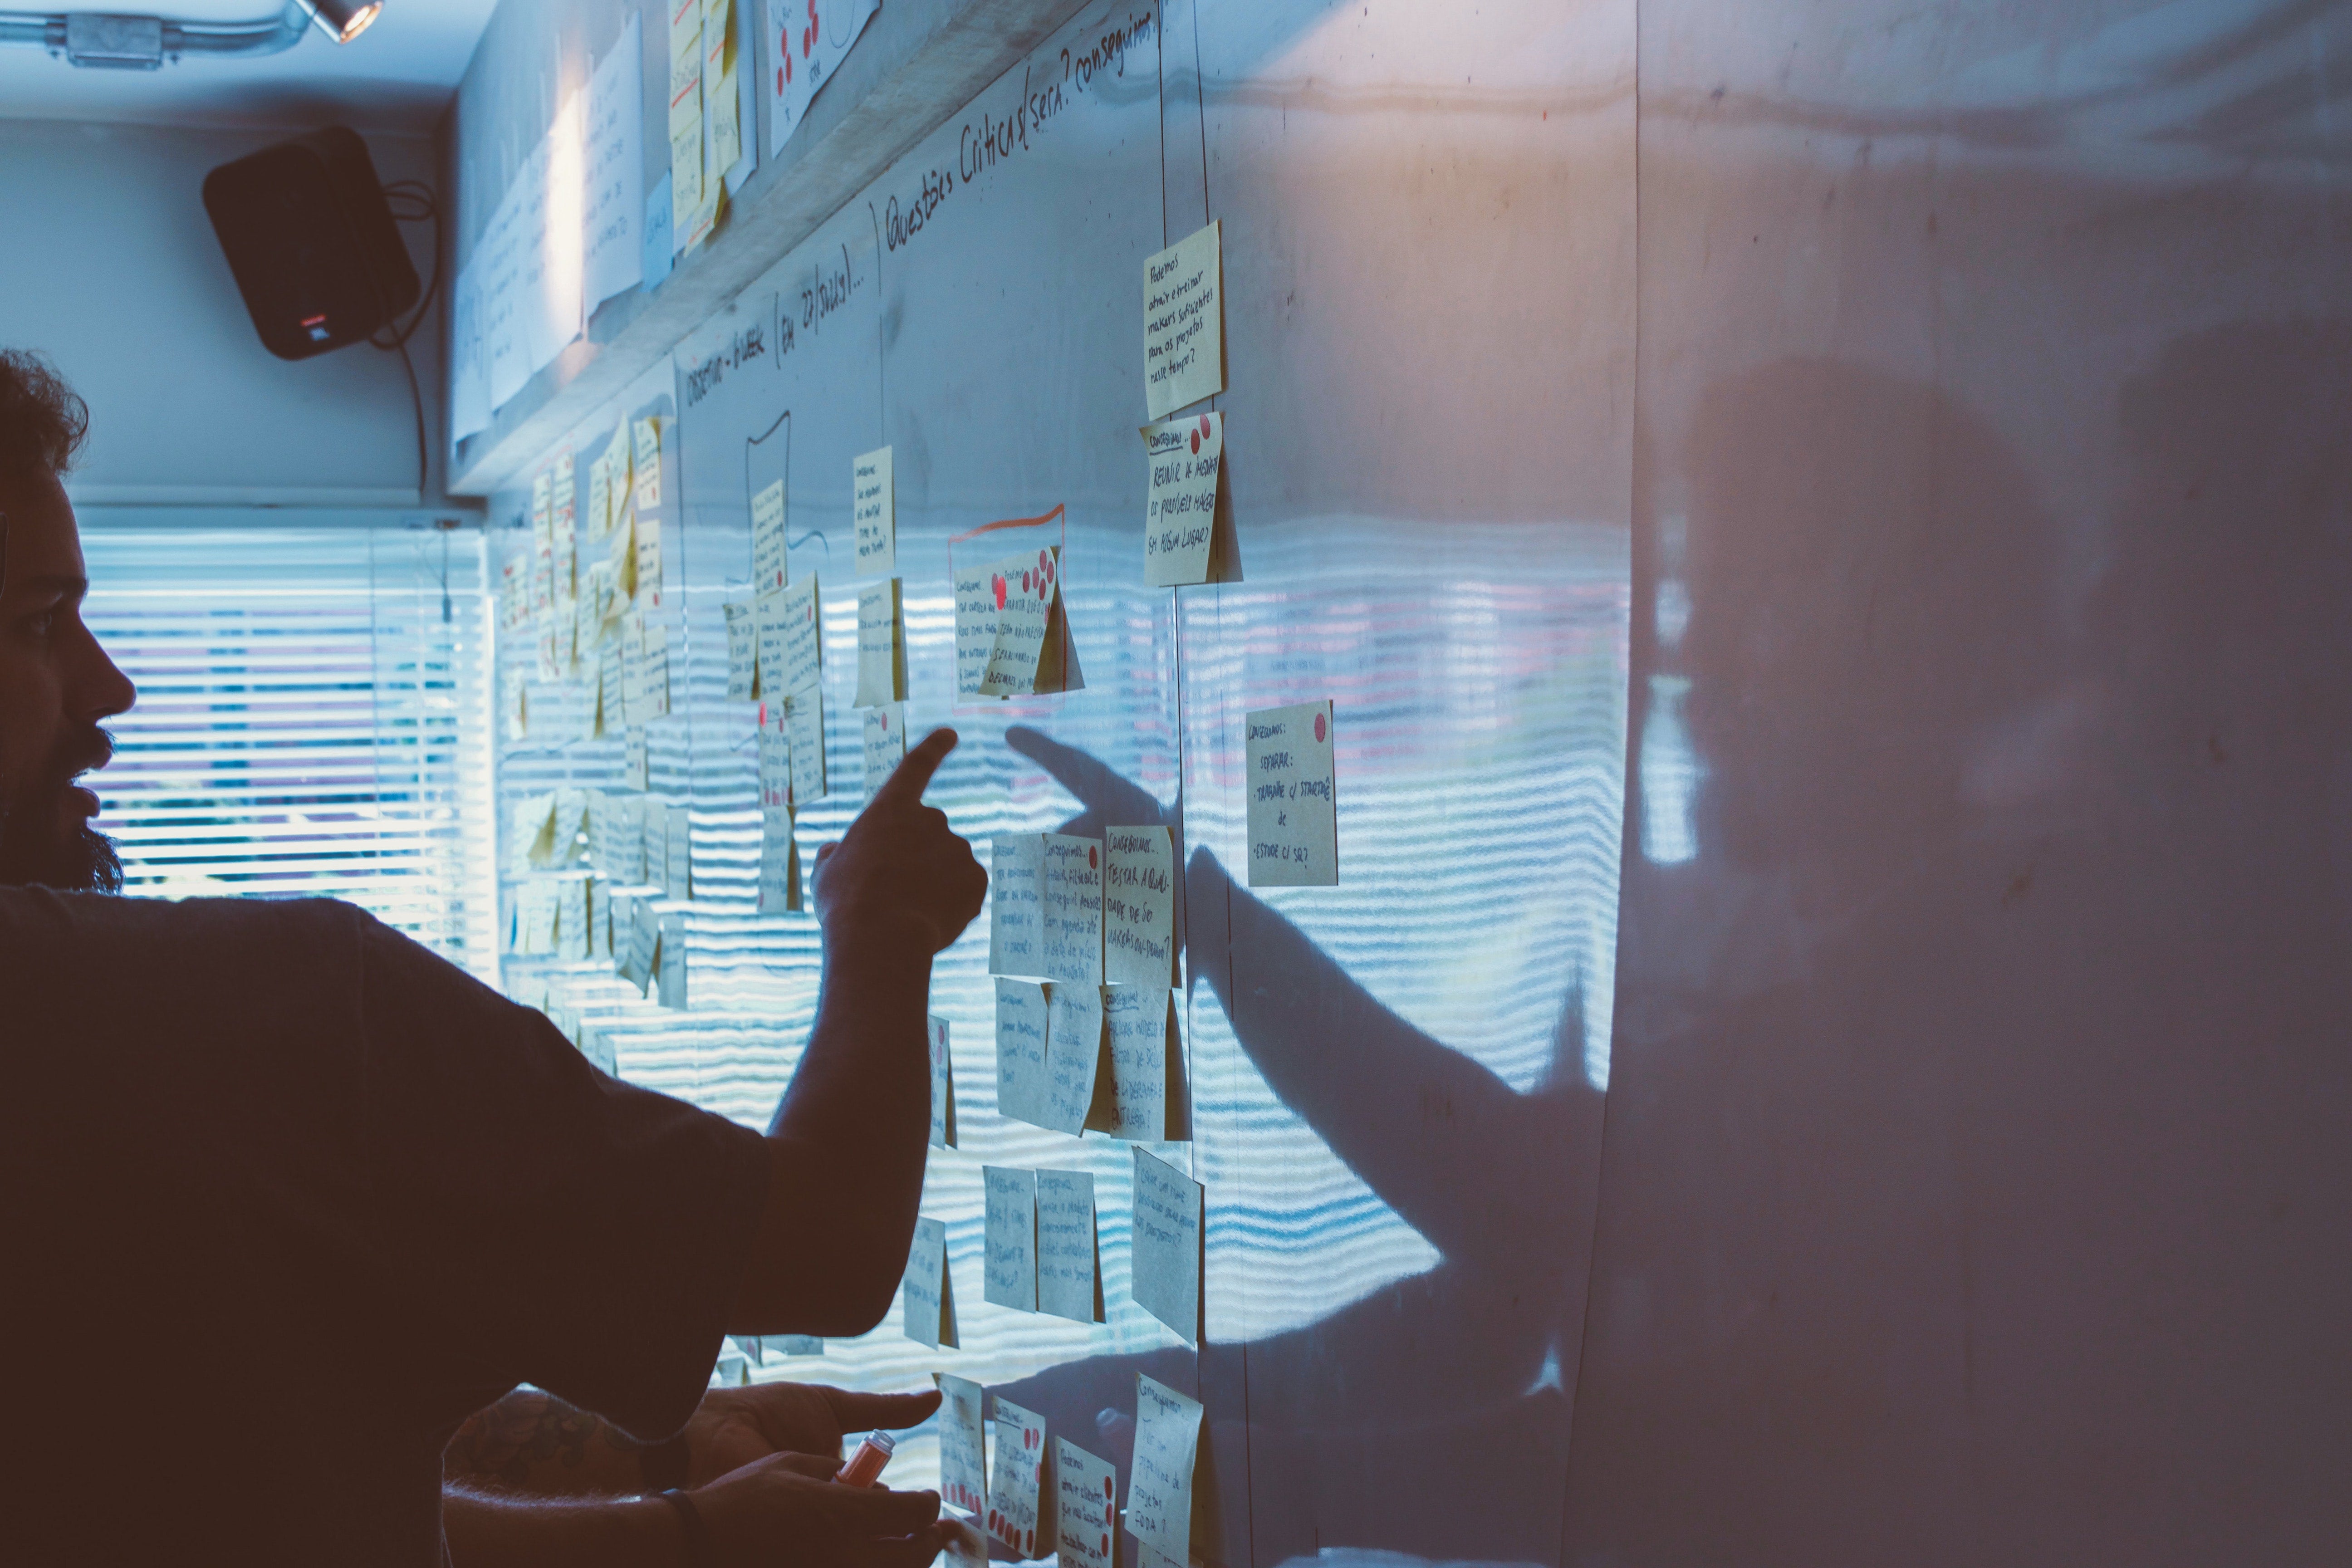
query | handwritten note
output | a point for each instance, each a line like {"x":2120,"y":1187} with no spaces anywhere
{"x":742,"y":653}
{"x":875,"y":510}
{"x":572,"y":935}
{"x":1293,"y":823}
{"x":1022,"y":1020}
{"x":885,"y":744}
{"x":881,"y":645}
{"x":1183,"y":323}
{"x":647,"y":569}
{"x":1019,"y":1481}
{"x":613,"y":250}
{"x":807,"y":40}
{"x":1011,"y":1237}
{"x":1168,"y":1245}
{"x":1017,"y":896}
{"x":928,"y":1312}
{"x":774,"y":743}
{"x":804,"y":719}
{"x":648,"y":461}
{"x":943,"y":1115}
{"x":1148,"y":1101}
{"x":768,"y":563}
{"x":1185,"y":457}
{"x":1139,"y":907}
{"x":1072,"y":910}
{"x":768,"y":636}
{"x":1074,"y":1045}
{"x":721,"y":89}
{"x":1086,"y":1497}
{"x":964,"y":1467}
{"x":1007,"y":641}
{"x":1159,"y":1488}
{"x":1069,"y":1259}
{"x":780,"y":862}
{"x":804,"y":644}
{"x":685,"y":113}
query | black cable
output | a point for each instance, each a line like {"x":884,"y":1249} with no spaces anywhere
{"x":411,"y":201}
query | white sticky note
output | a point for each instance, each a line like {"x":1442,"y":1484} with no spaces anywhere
{"x":656,"y":819}
{"x":636,"y":757}
{"x":646,"y":580}
{"x":804,"y":721}
{"x":874,"y":511}
{"x":1074,"y":1043}
{"x":1139,"y":907}
{"x":929,"y":1307}
{"x":1147,"y":1102}
{"x":1069,"y":1257}
{"x":1168,"y":1245}
{"x":797,"y":616}
{"x":742,"y":653}
{"x":1160,"y":1487}
{"x":885,"y":744}
{"x":1016,"y":896}
{"x":1022,"y":1020}
{"x":1085,"y":1491}
{"x":1184,"y":458}
{"x":780,"y":862}
{"x":1010,"y":1235}
{"x":685,"y":113}
{"x":1183,"y":323}
{"x":645,"y":945}
{"x":572,"y":939}
{"x":807,"y":40}
{"x":768,"y":565}
{"x":1019,"y":1481}
{"x":656,"y":676}
{"x":943,"y":1110}
{"x":963,"y":1465}
{"x":613,"y":249}
{"x":1294,"y":840}
{"x":648,"y":464}
{"x":881,"y":645}
{"x":1071,"y":910}
{"x":725,"y":104}
{"x":535,"y":917}
{"x":768,"y":647}
{"x":773,"y":744}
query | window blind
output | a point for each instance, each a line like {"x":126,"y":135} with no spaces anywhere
{"x":313,"y":719}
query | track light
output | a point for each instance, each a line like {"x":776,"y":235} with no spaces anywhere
{"x":342,"y":20}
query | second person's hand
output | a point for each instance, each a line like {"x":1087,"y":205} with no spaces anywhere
{"x":787,"y":1512}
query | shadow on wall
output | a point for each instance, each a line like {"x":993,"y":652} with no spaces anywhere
{"x":1388,"y":1424}
{"x":2000,"y":1216}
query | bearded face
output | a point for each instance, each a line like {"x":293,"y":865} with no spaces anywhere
{"x":45,"y":839}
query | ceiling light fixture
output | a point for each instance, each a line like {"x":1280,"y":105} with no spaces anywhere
{"x":104,"y":41}
{"x":341,"y":19}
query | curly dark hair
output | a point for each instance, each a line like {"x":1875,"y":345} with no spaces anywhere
{"x":42,"y":420}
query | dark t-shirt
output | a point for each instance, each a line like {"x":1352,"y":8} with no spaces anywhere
{"x":283,"y":1198}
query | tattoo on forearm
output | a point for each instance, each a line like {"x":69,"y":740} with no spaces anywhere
{"x":518,"y":1441}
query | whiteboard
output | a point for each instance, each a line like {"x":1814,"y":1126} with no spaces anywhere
{"x":1395,"y":1081}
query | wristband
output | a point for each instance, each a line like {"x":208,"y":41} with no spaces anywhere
{"x":696,"y":1534}
{"x":662,"y":1466}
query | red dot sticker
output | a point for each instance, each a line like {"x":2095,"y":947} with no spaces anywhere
{"x":999,"y":584}
{"x":1318,"y":726}
{"x":1204,"y":424}
{"x":1090,"y":858}
{"x":1196,"y":443}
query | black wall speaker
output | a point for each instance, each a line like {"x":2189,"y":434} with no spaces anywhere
{"x":315,"y":250}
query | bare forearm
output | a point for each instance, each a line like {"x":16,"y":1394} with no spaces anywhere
{"x":487,"y":1531}
{"x":847,"y":1144}
{"x":534,"y":1445}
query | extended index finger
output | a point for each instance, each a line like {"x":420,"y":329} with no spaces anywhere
{"x":856,"y":1412}
{"x":912,"y":776}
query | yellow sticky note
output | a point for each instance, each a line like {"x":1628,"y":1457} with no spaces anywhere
{"x":648,"y":463}
{"x":881,"y":645}
{"x":722,"y":93}
{"x":1183,"y":323}
{"x":804,"y":722}
{"x":1184,"y":458}
{"x":685,"y":113}
{"x":800,"y":622}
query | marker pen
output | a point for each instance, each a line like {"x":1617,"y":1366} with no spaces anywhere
{"x":864,"y":1466}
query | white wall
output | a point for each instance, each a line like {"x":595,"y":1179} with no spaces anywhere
{"x":113,"y":269}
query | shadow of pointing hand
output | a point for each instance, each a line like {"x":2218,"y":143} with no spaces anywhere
{"x":1106,"y":799}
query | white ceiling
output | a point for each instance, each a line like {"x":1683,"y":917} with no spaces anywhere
{"x":399,"y":75}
